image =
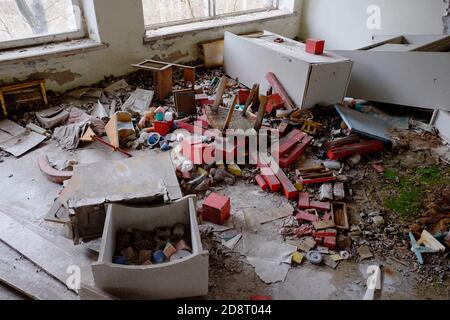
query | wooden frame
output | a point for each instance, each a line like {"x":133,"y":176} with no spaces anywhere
{"x":163,"y":72}
{"x":16,"y":88}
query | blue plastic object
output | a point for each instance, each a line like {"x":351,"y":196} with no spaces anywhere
{"x":119,"y":260}
{"x":154,"y":139}
{"x":158,"y":256}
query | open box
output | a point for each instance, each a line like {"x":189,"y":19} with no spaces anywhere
{"x":183,"y":278}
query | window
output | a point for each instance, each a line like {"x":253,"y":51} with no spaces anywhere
{"x":28,"y":22}
{"x":159,"y":13}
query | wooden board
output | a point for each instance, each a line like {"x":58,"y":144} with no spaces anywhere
{"x":27,"y":278}
{"x":41,"y":252}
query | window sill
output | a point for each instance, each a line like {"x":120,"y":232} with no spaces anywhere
{"x":51,"y":50}
{"x":178,"y":30}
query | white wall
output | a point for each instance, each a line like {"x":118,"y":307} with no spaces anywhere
{"x":343,"y":23}
{"x":121,"y":26}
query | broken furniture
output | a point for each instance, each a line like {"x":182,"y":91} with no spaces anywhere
{"x":163,"y":72}
{"x":119,"y":128}
{"x":393,"y":69}
{"x":16,"y":139}
{"x":90,"y":136}
{"x":340,"y":216}
{"x":142,"y":180}
{"x":185,"y":102}
{"x":183,"y":278}
{"x":308,"y":79}
{"x":26,"y":89}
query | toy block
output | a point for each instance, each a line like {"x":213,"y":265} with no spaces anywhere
{"x":303,"y":200}
{"x":216,"y":208}
{"x":261,"y":182}
{"x":315,"y":46}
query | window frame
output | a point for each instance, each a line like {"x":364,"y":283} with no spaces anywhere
{"x":212,"y":15}
{"x":56,"y":37}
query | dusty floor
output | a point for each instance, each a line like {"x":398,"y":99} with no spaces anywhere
{"x":27,"y":195}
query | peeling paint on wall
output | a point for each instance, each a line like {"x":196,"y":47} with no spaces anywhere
{"x":173,"y":57}
{"x":60,"y":78}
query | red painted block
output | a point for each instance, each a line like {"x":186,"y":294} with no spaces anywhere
{"x":273,"y":182}
{"x":304,"y":230}
{"x":315,"y":46}
{"x":289,"y":142}
{"x":318,"y":180}
{"x":322,"y":206}
{"x":357,"y":148}
{"x":326,"y":233}
{"x":329,"y":242}
{"x":216,"y":208}
{"x":305,"y":216}
{"x":261,"y":182}
{"x":290,"y":158}
{"x":275,"y":83}
{"x":243,"y":95}
{"x":289,"y":191}
{"x":274,"y":103}
{"x":303,"y":200}
{"x":319,"y":240}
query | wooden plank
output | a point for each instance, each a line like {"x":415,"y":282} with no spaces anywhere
{"x":276,"y":84}
{"x":252,"y":98}
{"x":30,"y":280}
{"x":220,"y":90}
{"x":261,"y":112}
{"x":230,"y":113}
{"x":41,"y":252}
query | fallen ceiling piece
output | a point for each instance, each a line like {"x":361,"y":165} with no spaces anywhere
{"x":365,"y":124}
{"x":139,"y":102}
{"x":137,"y":178}
{"x":271,"y":259}
{"x":16,"y":139}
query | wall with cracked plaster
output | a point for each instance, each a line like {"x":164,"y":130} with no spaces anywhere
{"x":121,"y":26}
{"x":343,"y":23}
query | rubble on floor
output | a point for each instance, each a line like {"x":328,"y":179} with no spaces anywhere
{"x":347,"y":195}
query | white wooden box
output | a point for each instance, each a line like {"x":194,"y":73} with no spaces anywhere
{"x":171,"y":280}
{"x":308,"y":79}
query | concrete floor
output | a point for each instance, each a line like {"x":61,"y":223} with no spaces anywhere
{"x":27,"y":196}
